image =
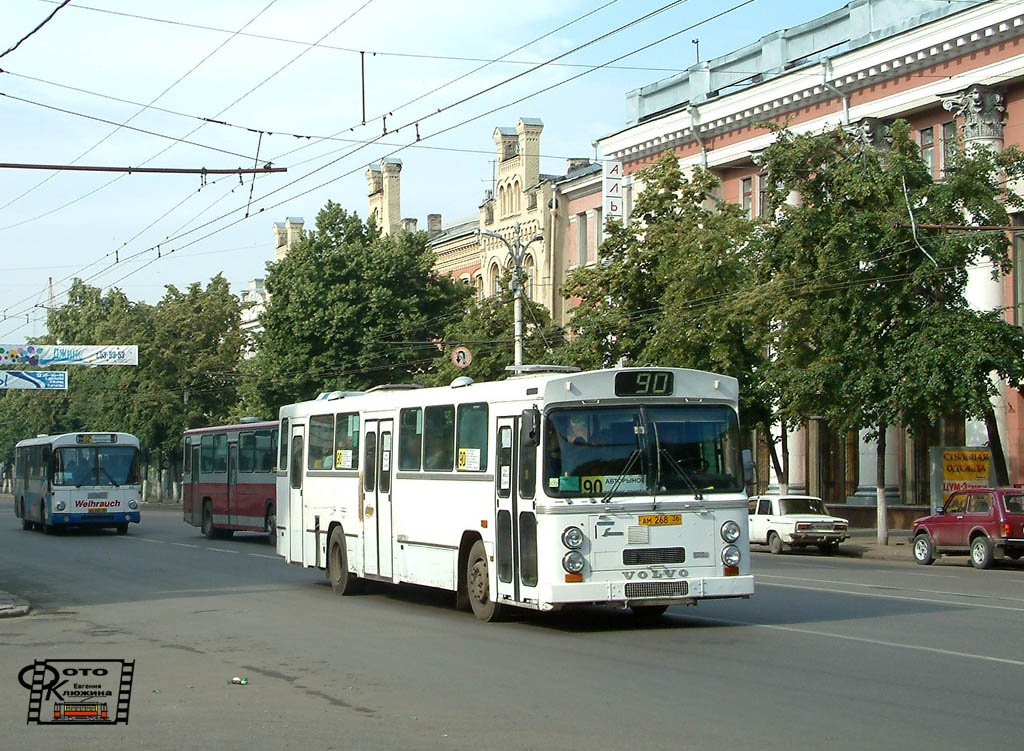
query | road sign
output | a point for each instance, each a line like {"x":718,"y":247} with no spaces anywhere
{"x":50,"y":380}
{"x":461,"y":357}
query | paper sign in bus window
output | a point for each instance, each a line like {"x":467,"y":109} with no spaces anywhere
{"x":469,"y":460}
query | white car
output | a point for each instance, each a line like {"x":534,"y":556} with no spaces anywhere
{"x":794,"y":520}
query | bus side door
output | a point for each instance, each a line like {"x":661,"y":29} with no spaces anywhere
{"x":232,"y":489}
{"x":377,"y":474}
{"x":192,"y":498}
{"x":296,"y":520}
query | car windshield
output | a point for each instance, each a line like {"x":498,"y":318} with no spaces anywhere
{"x":802,"y":506}
{"x":94,"y":465}
{"x":621,"y":451}
{"x":1014,"y":504}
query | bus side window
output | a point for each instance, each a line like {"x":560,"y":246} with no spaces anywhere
{"x":206,"y":454}
{"x":439,"y":446}
{"x":273,"y":450}
{"x":188,"y":457}
{"x":247,"y":452}
{"x":472,"y":438}
{"x":282,"y":461}
{"x":296,"y":476}
{"x":504,"y":462}
{"x":410,"y":439}
{"x":220,"y":452}
{"x":370,"y":463}
{"x":320,"y":453}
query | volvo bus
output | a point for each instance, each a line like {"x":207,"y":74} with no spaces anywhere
{"x":621,"y":487}
{"x":77,"y":479}
{"x":230,"y":478}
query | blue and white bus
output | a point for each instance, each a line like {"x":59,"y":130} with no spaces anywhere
{"x":77,"y":479}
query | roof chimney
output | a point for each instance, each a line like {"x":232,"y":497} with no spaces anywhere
{"x":433,"y":225}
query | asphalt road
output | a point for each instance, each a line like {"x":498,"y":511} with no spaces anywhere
{"x":840,"y":652}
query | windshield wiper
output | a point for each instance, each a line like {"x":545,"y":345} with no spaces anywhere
{"x":622,"y":475}
{"x":697,"y":495}
{"x":104,"y":471}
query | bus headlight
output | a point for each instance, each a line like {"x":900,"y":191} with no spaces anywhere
{"x":128,"y":517}
{"x":731,"y":556}
{"x":573,"y":561}
{"x":133,"y":504}
{"x":730,"y":531}
{"x":572,"y":538}
{"x":60,"y":505}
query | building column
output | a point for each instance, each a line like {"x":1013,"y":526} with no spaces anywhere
{"x":868,"y":469}
{"x":982,"y":109}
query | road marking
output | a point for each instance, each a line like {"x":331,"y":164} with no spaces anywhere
{"x":899,"y":597}
{"x":894,"y":588}
{"x":223,"y":550}
{"x":861,"y":639}
{"x":260,"y":555}
{"x":185,"y":545}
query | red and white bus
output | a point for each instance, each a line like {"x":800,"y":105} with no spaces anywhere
{"x":230,"y":478}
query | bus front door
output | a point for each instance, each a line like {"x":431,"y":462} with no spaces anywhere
{"x":377,"y":474}
{"x":296,"y":523}
{"x":192,"y":499}
{"x":232,"y":494}
{"x":515,"y":523}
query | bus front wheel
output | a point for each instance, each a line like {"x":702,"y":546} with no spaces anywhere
{"x":122,"y":528}
{"x":207,"y":525}
{"x":47,"y":528}
{"x":478,"y":585}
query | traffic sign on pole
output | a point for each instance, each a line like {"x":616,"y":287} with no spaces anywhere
{"x":461,"y":357}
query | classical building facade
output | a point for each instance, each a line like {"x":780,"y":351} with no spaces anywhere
{"x":954,"y":71}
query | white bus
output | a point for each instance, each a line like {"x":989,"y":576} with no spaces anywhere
{"x":77,"y":479}
{"x":556,"y":487}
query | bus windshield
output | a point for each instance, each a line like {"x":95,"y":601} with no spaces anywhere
{"x":96,"y":465}
{"x":640,"y":450}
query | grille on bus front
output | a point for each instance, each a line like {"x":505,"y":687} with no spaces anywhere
{"x":656,"y":589}
{"x":647,"y":556}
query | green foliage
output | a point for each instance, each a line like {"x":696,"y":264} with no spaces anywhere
{"x":671,"y":287}
{"x":486,"y":328}
{"x":189,"y":343}
{"x":345,"y":303}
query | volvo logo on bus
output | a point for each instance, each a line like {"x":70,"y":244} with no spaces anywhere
{"x":657,"y":573}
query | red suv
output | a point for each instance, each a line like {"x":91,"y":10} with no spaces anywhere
{"x":986,"y":523}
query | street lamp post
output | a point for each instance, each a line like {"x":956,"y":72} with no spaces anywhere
{"x":517,"y":253}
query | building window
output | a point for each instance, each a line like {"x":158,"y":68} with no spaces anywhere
{"x":762,"y":196}
{"x":747,"y":196}
{"x":1018,"y":270}
{"x":949,"y":144}
{"x":926,"y":138}
{"x":528,"y":274}
{"x":494,"y":279}
{"x":582,"y":250}
{"x":479,"y":284}
{"x":598,"y":230}
{"x":517,"y":196}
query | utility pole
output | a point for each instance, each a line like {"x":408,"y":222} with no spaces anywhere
{"x":517,"y":253}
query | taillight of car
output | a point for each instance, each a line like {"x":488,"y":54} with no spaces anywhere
{"x":1005,"y":529}
{"x":803,"y":526}
{"x":839,"y":527}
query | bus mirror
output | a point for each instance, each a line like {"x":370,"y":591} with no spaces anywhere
{"x":748,"y":466}
{"x":529,"y":432}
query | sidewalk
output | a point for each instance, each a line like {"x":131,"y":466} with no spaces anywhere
{"x":862,"y":544}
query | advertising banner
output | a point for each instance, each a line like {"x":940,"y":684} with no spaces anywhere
{"x":958,"y":468}
{"x":40,"y":355}
{"x":49,"y":380}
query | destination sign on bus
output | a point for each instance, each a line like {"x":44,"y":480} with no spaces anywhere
{"x":643,"y":383}
{"x":98,"y":438}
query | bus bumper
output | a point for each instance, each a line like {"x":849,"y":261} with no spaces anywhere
{"x":663,"y":592}
{"x":104,"y":519}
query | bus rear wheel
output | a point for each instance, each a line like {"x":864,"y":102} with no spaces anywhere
{"x":122,"y":528}
{"x":478,"y":585}
{"x":343,"y":581}
{"x":270,"y":524}
{"x":25,"y":523}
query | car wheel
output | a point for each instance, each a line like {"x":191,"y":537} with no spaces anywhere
{"x":774,"y":543}
{"x":478,"y":585}
{"x":981,"y":552}
{"x":923,"y":551}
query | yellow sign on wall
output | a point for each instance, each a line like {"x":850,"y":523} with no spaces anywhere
{"x":963,"y":469}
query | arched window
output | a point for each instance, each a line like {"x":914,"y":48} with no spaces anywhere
{"x":501,"y":199}
{"x":528,"y":281}
{"x":495,"y":275}
{"x":478,"y":282}
{"x":517,"y":194}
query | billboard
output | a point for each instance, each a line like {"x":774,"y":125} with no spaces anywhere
{"x":958,"y":468}
{"x":40,"y":355}
{"x":49,"y":380}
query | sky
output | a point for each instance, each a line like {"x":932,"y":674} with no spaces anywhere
{"x":118,"y":83}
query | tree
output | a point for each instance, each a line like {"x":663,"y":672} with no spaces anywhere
{"x":486,"y":328}
{"x":347,"y":310}
{"x":857,"y":288}
{"x":672,"y":289}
